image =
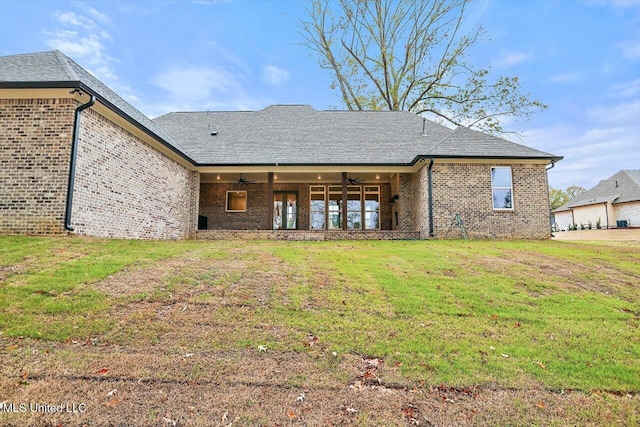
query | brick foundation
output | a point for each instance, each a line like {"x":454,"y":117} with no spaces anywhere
{"x":303,"y":235}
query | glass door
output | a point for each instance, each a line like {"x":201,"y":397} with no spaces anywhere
{"x":285,"y":211}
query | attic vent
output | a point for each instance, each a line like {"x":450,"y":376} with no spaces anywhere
{"x":616,"y":184}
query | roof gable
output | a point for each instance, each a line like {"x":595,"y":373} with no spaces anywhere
{"x":622,"y":187}
{"x":43,"y":68}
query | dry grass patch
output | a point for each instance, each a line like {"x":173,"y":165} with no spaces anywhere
{"x":286,"y":333}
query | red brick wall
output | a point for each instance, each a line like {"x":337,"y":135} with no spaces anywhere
{"x":35,"y":144}
{"x":213,"y":200}
{"x":465,"y":189}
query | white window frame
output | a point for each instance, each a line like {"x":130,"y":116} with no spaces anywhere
{"x":226,"y":205}
{"x":494,"y":188}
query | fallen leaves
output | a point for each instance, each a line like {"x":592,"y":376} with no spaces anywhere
{"x":102,"y":371}
{"x":262,"y":349}
{"x":311,"y":340}
{"x":372,"y":367}
{"x":411,"y":413}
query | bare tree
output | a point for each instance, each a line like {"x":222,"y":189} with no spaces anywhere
{"x":411,"y":55}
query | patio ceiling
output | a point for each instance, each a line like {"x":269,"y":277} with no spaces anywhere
{"x":296,"y":177}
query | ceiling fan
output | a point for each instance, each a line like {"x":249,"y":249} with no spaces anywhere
{"x":354,"y":181}
{"x":244,"y":181}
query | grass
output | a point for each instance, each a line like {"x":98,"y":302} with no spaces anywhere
{"x":507,"y":314}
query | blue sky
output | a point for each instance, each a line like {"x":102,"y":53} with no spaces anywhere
{"x":581,"y":58}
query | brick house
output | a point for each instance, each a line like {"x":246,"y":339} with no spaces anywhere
{"x":75,"y":156}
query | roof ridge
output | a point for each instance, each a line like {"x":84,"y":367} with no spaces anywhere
{"x":64,"y":62}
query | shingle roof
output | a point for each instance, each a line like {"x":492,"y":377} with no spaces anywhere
{"x":54,"y":69}
{"x":282,"y":134}
{"x":622,"y":187}
{"x":299,"y":134}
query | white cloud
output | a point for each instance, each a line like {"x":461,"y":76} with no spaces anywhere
{"x":594,"y":148}
{"x":624,"y":90}
{"x":196,"y":88}
{"x":274,"y":76}
{"x":510,"y":59}
{"x":566,"y":77}
{"x":196,"y":82}
{"x":630,"y":50}
{"x":98,"y":15}
{"x":78,"y":36}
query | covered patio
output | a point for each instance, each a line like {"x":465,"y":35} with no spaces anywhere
{"x":300,"y":203}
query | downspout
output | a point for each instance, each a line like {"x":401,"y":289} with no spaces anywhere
{"x":431,"y":233}
{"x":606,"y":212}
{"x":72,"y":166}
{"x":553,"y":164}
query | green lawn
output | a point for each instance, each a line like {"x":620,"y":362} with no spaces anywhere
{"x":563,"y":315}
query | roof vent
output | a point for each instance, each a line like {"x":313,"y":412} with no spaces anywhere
{"x":616,"y":184}
{"x":424,"y":127}
{"x":212,"y":131}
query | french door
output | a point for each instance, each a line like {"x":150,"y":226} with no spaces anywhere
{"x":285,"y":210}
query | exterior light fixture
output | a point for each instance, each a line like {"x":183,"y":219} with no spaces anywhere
{"x":319,"y":177}
{"x":218,"y":177}
{"x":377,"y":176}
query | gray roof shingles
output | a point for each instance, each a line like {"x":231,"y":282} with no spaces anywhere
{"x":280,"y":134}
{"x":622,"y":187}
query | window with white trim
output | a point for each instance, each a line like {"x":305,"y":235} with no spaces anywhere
{"x":502,"y":187}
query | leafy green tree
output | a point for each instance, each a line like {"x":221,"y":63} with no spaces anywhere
{"x":557,"y":198}
{"x":411,"y":55}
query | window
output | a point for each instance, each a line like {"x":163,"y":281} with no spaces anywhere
{"x":371,"y":208}
{"x":501,"y":186}
{"x":362,"y":209}
{"x":236,"y":201}
{"x":354,"y":208}
{"x":335,"y":208}
{"x":318,"y":208}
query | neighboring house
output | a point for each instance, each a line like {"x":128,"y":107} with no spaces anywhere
{"x":613,"y":202}
{"x":75,"y":156}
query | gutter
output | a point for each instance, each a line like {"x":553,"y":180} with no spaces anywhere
{"x":429,"y":178}
{"x":72,"y":165}
{"x":553,"y":165}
